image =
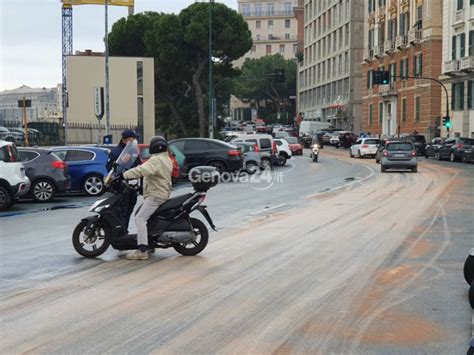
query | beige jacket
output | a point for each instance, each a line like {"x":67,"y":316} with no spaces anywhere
{"x":156,"y":174}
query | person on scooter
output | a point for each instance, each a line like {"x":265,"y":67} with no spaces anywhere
{"x":156,"y":173}
{"x":130,"y":199}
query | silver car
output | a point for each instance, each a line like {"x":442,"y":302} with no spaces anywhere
{"x":399,"y":155}
{"x":251,"y":157}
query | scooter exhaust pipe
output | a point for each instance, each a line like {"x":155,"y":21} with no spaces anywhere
{"x":176,"y":237}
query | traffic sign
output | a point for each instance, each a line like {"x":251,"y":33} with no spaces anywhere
{"x":99,"y":102}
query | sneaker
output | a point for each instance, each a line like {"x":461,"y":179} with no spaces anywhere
{"x":137,"y":255}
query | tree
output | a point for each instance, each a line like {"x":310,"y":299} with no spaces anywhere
{"x":259,"y":88}
{"x":179,"y":45}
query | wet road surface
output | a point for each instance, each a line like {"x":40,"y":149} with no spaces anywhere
{"x":335,"y":258}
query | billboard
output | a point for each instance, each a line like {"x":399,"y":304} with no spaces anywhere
{"x":99,"y":2}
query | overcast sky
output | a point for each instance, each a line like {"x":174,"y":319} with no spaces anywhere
{"x":30,"y":36}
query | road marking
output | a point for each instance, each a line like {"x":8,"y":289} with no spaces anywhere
{"x":269,"y":209}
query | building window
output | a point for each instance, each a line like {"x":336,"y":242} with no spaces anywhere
{"x":287,"y":36}
{"x":270,"y":24}
{"x":287,"y":23}
{"x":370,"y":75}
{"x":257,"y":37}
{"x":268,"y":49}
{"x":370,"y":114}
{"x":460,"y":4}
{"x":453,"y":48}
{"x":462,"y":45}
{"x":270,"y":9}
{"x":288,"y":8}
{"x":380,"y":113}
{"x":470,"y":94}
{"x":418,"y":65}
{"x":404,"y":110}
{"x":258,"y":24}
{"x":245,"y":10}
{"x":417,"y":108}
{"x":471,"y":42}
{"x":254,"y":48}
{"x":140,"y":78}
{"x":282,"y":48}
{"x":258,"y":9}
{"x":393,"y":72}
{"x":295,"y":48}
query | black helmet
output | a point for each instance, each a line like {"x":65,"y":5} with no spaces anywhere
{"x":158,"y":144}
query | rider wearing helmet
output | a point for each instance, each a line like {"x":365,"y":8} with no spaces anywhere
{"x":156,"y":190}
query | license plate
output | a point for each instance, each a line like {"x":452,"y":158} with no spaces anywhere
{"x":399,"y":155}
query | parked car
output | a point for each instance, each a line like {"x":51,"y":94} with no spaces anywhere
{"x":419,"y":141}
{"x":346,"y":140}
{"x":203,"y":151}
{"x":267,"y":147}
{"x":468,"y":156}
{"x":13,"y":181}
{"x":334,"y":138}
{"x":432,"y":149}
{"x":283,"y":150}
{"x":6,"y":135}
{"x":364,"y":147}
{"x":453,"y":148}
{"x":251,"y":157}
{"x":280,"y":134}
{"x":399,"y":155}
{"x":48,"y":174}
{"x":295,"y":146}
{"x":86,"y":166}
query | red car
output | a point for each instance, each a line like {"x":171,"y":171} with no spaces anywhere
{"x":145,"y":155}
{"x":295,"y":147}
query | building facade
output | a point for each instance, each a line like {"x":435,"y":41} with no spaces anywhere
{"x":44,"y":104}
{"x":403,"y":37}
{"x":330,"y":77}
{"x":458,"y":66}
{"x":132,"y":93}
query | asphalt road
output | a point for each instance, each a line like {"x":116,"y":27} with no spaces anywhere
{"x":328,"y":257}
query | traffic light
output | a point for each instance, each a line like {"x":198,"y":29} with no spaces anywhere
{"x":381,"y":77}
{"x":447,"y":122}
{"x":280,"y":75}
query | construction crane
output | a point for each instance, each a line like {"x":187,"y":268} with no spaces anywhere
{"x":67,"y":37}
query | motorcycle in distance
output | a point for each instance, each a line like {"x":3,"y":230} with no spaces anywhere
{"x":314,"y":152}
{"x":169,"y":227}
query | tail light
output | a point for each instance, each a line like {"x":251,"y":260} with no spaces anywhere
{"x":255,"y":148}
{"x":202,"y":198}
{"x":233,"y":153}
{"x":385,"y":153}
{"x":365,"y":146}
{"x":58,"y":164}
{"x":413,"y":153}
{"x":459,"y":146}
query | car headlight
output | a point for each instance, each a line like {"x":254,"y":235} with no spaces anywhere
{"x":95,"y":204}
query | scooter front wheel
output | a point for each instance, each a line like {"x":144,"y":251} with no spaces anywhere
{"x":198,"y":245}
{"x":90,"y":242}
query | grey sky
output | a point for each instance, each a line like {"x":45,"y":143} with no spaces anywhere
{"x":30,"y":36}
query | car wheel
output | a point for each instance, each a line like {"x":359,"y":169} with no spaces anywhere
{"x":437,"y":156}
{"x":5,"y":198}
{"x":43,"y":190}
{"x":93,"y":185}
{"x":220,"y":166}
{"x":415,"y":169}
{"x":452,"y":158}
{"x":265,"y":163}
{"x":281,"y":160}
{"x":359,"y":154}
{"x":464,"y":159}
{"x":468,"y":269}
{"x":251,"y":167}
{"x":382,"y":169}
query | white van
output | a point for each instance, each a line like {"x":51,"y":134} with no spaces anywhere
{"x":13,"y":181}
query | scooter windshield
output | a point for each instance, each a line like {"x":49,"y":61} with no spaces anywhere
{"x":127,"y":158}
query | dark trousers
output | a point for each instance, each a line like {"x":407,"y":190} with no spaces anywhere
{"x":129,"y":200}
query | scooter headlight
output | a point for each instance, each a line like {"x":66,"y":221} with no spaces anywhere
{"x":94,"y":207}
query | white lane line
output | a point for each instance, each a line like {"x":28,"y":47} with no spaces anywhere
{"x":372,"y":173}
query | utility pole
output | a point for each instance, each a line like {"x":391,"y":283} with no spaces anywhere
{"x":25,"y":123}
{"x":211,"y":91}
{"x":107,"y":103}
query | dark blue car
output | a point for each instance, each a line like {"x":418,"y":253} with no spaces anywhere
{"x":86,"y":166}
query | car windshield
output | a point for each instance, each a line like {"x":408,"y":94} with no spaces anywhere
{"x":416,"y":138}
{"x":402,"y":146}
{"x":466,"y":141}
{"x":372,"y":141}
{"x":291,"y":140}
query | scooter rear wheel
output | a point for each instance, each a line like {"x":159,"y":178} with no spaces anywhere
{"x":90,"y":246}
{"x":194,"y":248}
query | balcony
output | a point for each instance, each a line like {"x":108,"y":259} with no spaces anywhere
{"x":378,"y":51}
{"x":388,"y":90}
{"x":467,"y":63}
{"x":273,"y":38}
{"x":271,"y":13}
{"x":450,"y":67}
{"x":414,"y":36}
{"x":389,"y":46}
{"x":368,"y":54}
{"x":401,"y":42}
{"x":459,"y":17}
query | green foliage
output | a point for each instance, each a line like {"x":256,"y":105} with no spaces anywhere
{"x":180,"y":44}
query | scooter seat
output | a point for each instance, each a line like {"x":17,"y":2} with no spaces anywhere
{"x":173,"y":203}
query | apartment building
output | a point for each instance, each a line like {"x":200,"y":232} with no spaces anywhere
{"x":405,"y":38}
{"x":458,"y":65}
{"x":330,"y":77}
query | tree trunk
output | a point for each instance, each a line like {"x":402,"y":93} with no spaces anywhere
{"x":199,"y":98}
{"x":178,"y":117}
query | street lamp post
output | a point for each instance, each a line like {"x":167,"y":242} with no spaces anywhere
{"x":211,"y":91}
{"x":106,"y":39}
